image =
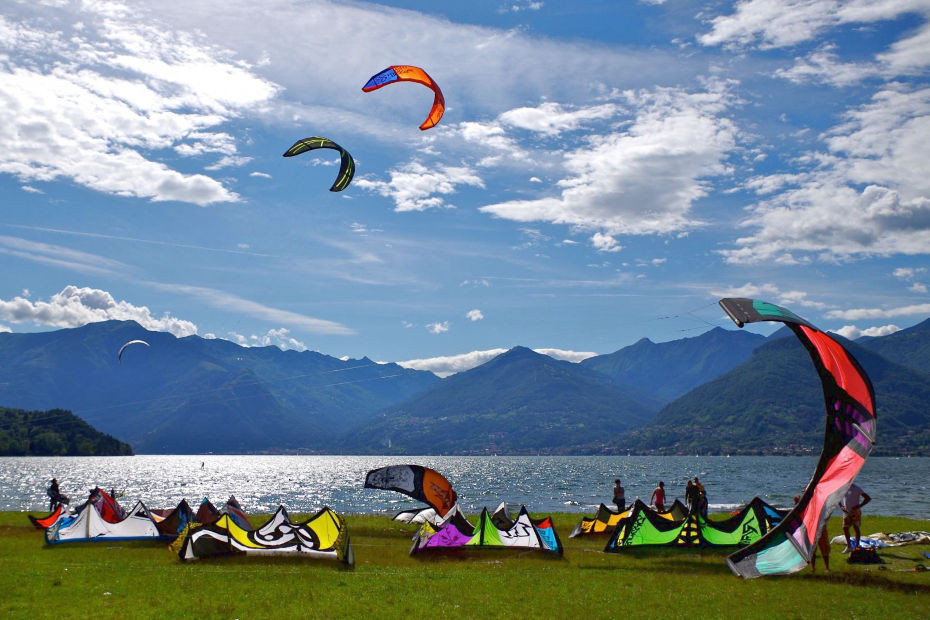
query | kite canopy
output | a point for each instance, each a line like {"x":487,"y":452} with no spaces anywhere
{"x":422,"y":483}
{"x":346,"y":167}
{"x":322,"y":536}
{"x":406,"y":73}
{"x":848,"y":440}
{"x":645,"y":526}
{"x":119,"y":356}
{"x":606,"y":520}
{"x":520,"y":533}
{"x":48,"y":520}
{"x":89,"y":526}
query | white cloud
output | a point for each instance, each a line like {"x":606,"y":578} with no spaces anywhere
{"x":60,"y":256}
{"x":605,"y":243}
{"x":76,"y":306}
{"x":233,"y":303}
{"x":858,"y":314}
{"x":524,"y":5}
{"x":438,"y":327}
{"x":868,"y":196}
{"x":450,"y":364}
{"x":908,"y":273}
{"x":481,"y":282}
{"x":782,"y":23}
{"x":94,"y":104}
{"x":851,"y":332}
{"x":917,"y":287}
{"x":5,"y":329}
{"x":612,"y":183}
{"x":414,"y":187}
{"x":273,"y":337}
{"x":474,"y":315}
{"x":260,"y":175}
{"x":771,"y":292}
{"x":551,"y":118}
{"x":31,"y":190}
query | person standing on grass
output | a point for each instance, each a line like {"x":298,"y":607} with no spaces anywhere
{"x":619,"y":496}
{"x":658,"y":497}
{"x":852,"y":505}
{"x":54,"y":494}
{"x":701,"y":497}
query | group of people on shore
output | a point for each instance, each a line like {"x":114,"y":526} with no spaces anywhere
{"x":695,"y":496}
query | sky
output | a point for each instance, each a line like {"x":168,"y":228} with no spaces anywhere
{"x":605,"y":171}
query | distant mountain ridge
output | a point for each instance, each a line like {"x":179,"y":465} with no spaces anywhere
{"x":517,"y":403}
{"x":724,"y":391}
{"x":773,"y":404}
{"x":189,"y":395}
{"x":671,"y":369}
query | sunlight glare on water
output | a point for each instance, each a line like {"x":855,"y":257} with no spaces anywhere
{"x":898,"y":486}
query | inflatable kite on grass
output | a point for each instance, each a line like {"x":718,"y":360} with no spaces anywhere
{"x":848,"y":440}
{"x":406,"y":73}
{"x":346,"y":166}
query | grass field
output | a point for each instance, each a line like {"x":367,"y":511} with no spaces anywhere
{"x":145,"y":580}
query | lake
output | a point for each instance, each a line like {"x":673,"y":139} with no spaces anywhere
{"x":898,"y":486}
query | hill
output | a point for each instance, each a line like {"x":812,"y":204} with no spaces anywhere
{"x":670,"y":369}
{"x":520,"y":402}
{"x":53,"y":433}
{"x":909,"y":347}
{"x":773,"y":404}
{"x":189,"y":395}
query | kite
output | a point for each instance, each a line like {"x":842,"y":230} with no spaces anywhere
{"x":119,"y":356}
{"x":346,"y":168}
{"x":422,"y":483}
{"x":848,"y":440}
{"x":406,"y":73}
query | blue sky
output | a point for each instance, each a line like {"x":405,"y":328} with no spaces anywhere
{"x":604,"y":171}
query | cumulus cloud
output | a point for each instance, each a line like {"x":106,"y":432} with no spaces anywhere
{"x":782,"y":23}
{"x":273,"y":337}
{"x":866,"y":196}
{"x":75,"y":306}
{"x":5,"y":329}
{"x":438,"y":327}
{"x":852,"y":332}
{"x":678,"y":136}
{"x":109,"y":90}
{"x":605,"y":243}
{"x":474,"y":315}
{"x":415,"y":187}
{"x":446,"y":365}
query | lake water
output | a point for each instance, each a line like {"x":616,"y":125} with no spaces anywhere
{"x":898,"y":486}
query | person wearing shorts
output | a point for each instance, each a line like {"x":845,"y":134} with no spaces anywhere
{"x":851,"y":505}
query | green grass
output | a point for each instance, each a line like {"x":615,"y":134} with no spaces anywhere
{"x":145,"y":580}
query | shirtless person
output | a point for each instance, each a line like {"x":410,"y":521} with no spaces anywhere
{"x":852,"y":505}
{"x":658,"y":497}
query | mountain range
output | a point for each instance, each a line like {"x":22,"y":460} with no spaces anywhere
{"x":724,"y":391}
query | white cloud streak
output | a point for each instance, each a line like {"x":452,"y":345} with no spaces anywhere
{"x":415,"y":187}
